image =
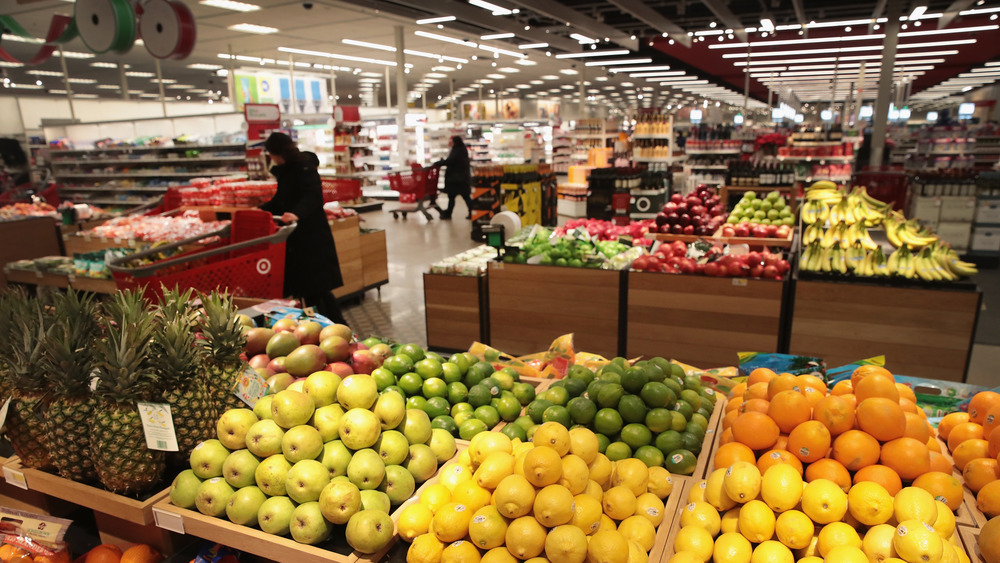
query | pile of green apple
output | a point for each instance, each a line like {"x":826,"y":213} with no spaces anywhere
{"x":335,"y":453}
{"x":772,"y":209}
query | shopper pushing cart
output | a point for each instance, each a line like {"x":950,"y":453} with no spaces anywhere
{"x":457,"y":176}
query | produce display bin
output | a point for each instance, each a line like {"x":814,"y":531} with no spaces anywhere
{"x":530,"y":306}
{"x":49,"y":279}
{"x":702,"y":321}
{"x":922,"y":332}
{"x":35,"y":236}
{"x":454,"y":311}
{"x":663,"y":544}
{"x":970,"y":541}
{"x":968,"y":514}
{"x":374,"y":259}
{"x":347,"y":237}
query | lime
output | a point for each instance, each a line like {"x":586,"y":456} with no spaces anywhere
{"x":488,"y":415}
{"x":536,"y":408}
{"x":681,"y":462}
{"x":654,"y":372}
{"x":694,"y":428}
{"x":684,"y":408}
{"x":394,"y":389}
{"x":504,"y":379}
{"x":594,"y":388}
{"x":557,"y":383}
{"x":700,"y":420}
{"x":428,"y":368}
{"x":692,"y":398}
{"x":383,"y":378}
{"x":674,"y":386}
{"x":450,"y":372}
{"x":662,"y":363}
{"x":705,"y":412}
{"x":607,"y":422}
{"x":556,"y":413}
{"x":611,"y":377}
{"x":658,"y":420}
{"x":617,"y":451}
{"x":416,"y":402}
{"x":620,"y":362}
{"x":411,"y":384}
{"x":669,"y":441}
{"x":709,"y":395}
{"x":471,"y":427}
{"x":479,"y":395}
{"x":677,"y":421}
{"x":632,"y":408}
{"x":478,"y":372}
{"x":610,"y":395}
{"x":508,"y":408}
{"x":461,"y":417}
{"x":493,"y":385}
{"x":524,"y":421}
{"x":436,"y":406}
{"x":398,"y":364}
{"x":461,"y":407}
{"x":692,"y":382}
{"x":634,"y":378}
{"x":602,"y":443}
{"x":575,"y":387}
{"x":577,"y":371}
{"x":557,"y":395}
{"x":649,"y":455}
{"x":691,"y":442}
{"x":461,"y":362}
{"x":610,"y":369}
{"x":581,"y":410}
{"x":675,"y":370}
{"x":446,"y":422}
{"x":505,"y":394}
{"x":636,"y":435}
{"x":511,"y":372}
{"x":524,"y":393}
{"x":434,"y":356}
{"x":656,"y":395}
{"x":513,"y":431}
{"x":457,"y":392}
{"x":416,"y":353}
{"x":434,"y":387}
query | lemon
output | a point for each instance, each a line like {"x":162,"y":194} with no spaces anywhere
{"x":771,"y":552}
{"x":639,"y":530}
{"x":949,"y":553}
{"x":594,"y":490}
{"x":756,"y":521}
{"x":650,"y":507}
{"x":566,"y":544}
{"x":514,"y":496}
{"x":837,"y":533}
{"x":453,"y":474}
{"x":606,"y":524}
{"x":660,"y":483}
{"x":537,"y":560}
{"x":877,"y":543}
{"x":498,"y":555}
{"x":781,"y":487}
{"x":714,"y":494}
{"x":869,"y":503}
{"x":521,"y":448}
{"x":460,"y":551}
{"x":542,"y":467}
{"x":847,"y":554}
{"x":583,"y":444}
{"x":493,"y":469}
{"x":917,"y":541}
{"x":619,"y":502}
{"x":731,"y":520}
{"x":913,"y":503}
{"x":425,"y":548}
{"x":702,"y":514}
{"x":631,"y":473}
{"x":810,"y":559}
{"x":413,"y":521}
{"x":451,"y":522}
{"x":732,"y":548}
{"x":587,"y":513}
{"x":811,"y":549}
{"x":686,"y":557}
{"x":487,"y":528}
{"x":697,"y":493}
{"x":575,"y":474}
{"x":944,"y":524}
{"x":600,"y":469}
{"x":435,"y":496}
{"x":794,"y":529}
{"x":525,"y":537}
{"x":471,"y":495}
{"x":695,"y":539}
{"x":824,"y":501}
{"x":552,"y":435}
{"x":553,"y":506}
{"x":607,"y":546}
{"x":636,"y":554}
{"x":465,"y":458}
{"x":486,"y":443}
{"x":742,"y":481}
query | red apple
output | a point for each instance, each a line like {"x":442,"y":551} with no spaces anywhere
{"x":771,"y":259}
{"x":783,"y":266}
{"x":677,"y":229}
{"x":756,"y":270}
{"x":771,"y":230}
{"x":676,"y":198}
{"x":711,"y":269}
{"x":689,"y":230}
{"x":735,"y":269}
{"x":742,"y":230}
{"x":728,"y":231}
{"x":678,"y":248}
{"x":770,"y":272}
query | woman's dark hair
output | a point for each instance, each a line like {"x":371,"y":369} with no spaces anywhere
{"x":283,"y":146}
{"x":457,"y":141}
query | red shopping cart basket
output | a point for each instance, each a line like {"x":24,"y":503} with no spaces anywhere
{"x":417,"y":191}
{"x":248,"y":261}
{"x":888,"y":186}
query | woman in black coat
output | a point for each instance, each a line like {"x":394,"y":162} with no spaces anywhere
{"x":458,"y":176}
{"x":312,"y":271}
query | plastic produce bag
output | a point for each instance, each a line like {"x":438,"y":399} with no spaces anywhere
{"x":37,"y":535}
{"x":721,"y":379}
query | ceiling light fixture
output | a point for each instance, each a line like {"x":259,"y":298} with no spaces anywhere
{"x":44,"y":73}
{"x":496,"y":36}
{"x":568,"y":72}
{"x":659,"y":73}
{"x":72,"y":54}
{"x":619,"y":62}
{"x":947,"y":31}
{"x":140,"y":74}
{"x":445,"y":38}
{"x":766,"y":24}
{"x":497,"y":10}
{"x":584,"y":54}
{"x":253,"y":28}
{"x":230,"y":5}
{"x":440,"y":19}
{"x":583,"y":39}
{"x":336,"y":56}
{"x":639,"y":68}
{"x":533,"y":46}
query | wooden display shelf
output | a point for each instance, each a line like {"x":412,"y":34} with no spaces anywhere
{"x":48,"y":279}
{"x":968,"y":513}
{"x":347,"y":237}
{"x":706,"y":459}
{"x":970,"y":541}
{"x":374,"y":259}
{"x":663,"y":544}
{"x":718,"y":238}
{"x":28,"y":238}
{"x":454,"y":310}
{"x":78,"y":243}
{"x":702,"y":321}
{"x":922,"y":332}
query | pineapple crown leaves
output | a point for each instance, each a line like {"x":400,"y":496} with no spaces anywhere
{"x":176,"y":357}
{"x":69,"y":354}
{"x":175,"y":303}
{"x":30,"y":331}
{"x":13,"y":304}
{"x":223,"y":332}
{"x":124,"y":371}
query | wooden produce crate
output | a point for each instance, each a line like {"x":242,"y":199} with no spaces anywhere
{"x":718,"y":238}
{"x":663,"y":545}
{"x":707,"y":456}
{"x":702,"y":321}
{"x":374,"y":259}
{"x":921,"y":332}
{"x":530,"y":306}
{"x":970,"y":541}
{"x":454,"y":310}
{"x":347,"y":237}
{"x":78,"y":243}
{"x":28,"y":238}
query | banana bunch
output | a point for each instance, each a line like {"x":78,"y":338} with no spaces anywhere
{"x":812,"y":233}
{"x":825,"y":192}
{"x":901,"y":232}
{"x":834,"y":235}
{"x":815,"y":211}
{"x":867,"y":208}
{"x":948,"y":260}
{"x":858,"y":234}
{"x":872,"y":265}
{"x":902,"y":263}
{"x":815,"y":258}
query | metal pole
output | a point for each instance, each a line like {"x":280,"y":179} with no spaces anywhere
{"x":388,"y":91}
{"x":124,"y":80}
{"x":848,"y":106}
{"x":451,"y":97}
{"x":833,"y":90}
{"x":159,"y":81}
{"x":746,"y":84}
{"x":885,"y":82}
{"x":402,"y":139}
{"x":580,"y":111}
{"x":333,"y":87}
{"x":69,"y":89}
{"x":291,"y":83}
{"x":861,"y":89}
{"x":231,"y":86}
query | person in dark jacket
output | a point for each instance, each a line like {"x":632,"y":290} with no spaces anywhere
{"x":458,"y":176}
{"x":312,"y":270}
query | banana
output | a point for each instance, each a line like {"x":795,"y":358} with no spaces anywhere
{"x":892,"y":263}
{"x":892,"y":233}
{"x":824,"y":185}
{"x":865,"y":238}
{"x":824,"y":260}
{"x":909,"y":233}
{"x":824,"y":213}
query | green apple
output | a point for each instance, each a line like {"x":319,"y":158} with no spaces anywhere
{"x":213,"y":496}
{"x":340,"y":500}
{"x":335,"y":458}
{"x":184,"y":489}
{"x":275,"y":515}
{"x":321,"y":387}
{"x":366,"y":469}
{"x":416,"y":426}
{"x":421,"y":463}
{"x":291,"y":408}
{"x":360,"y":428}
{"x":372,"y":499}
{"x":239,"y":468}
{"x":326,"y":419}
{"x":357,"y":392}
{"x":244,"y":505}
{"x":262,"y":408}
{"x":301,"y":442}
{"x":442,"y":444}
{"x":370,"y":531}
{"x":398,"y":484}
{"x":308,"y":525}
{"x":233,"y":426}
{"x":207,"y":458}
{"x":305,"y":480}
{"x":271,"y":473}
{"x":264,"y":438}
{"x":393,"y":447}
{"x":390,"y":408}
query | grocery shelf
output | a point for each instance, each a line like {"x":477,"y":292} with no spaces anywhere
{"x":130,"y":161}
{"x":716,"y":151}
{"x":821,"y":159}
{"x":151,"y":174}
{"x":644,"y":137}
{"x":112,"y":189}
{"x":157,"y":148}
{"x":667,"y":160}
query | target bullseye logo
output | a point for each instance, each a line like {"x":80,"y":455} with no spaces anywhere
{"x":643,"y":204}
{"x":263,"y":266}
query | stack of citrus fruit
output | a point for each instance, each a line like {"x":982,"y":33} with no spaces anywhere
{"x":557,"y":499}
{"x":867,"y":428}
{"x":975,"y":448}
{"x":742,"y":516}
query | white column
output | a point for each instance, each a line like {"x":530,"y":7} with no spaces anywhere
{"x":402,"y":139}
{"x":885,"y":83}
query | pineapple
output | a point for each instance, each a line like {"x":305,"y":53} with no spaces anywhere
{"x":26,"y":427}
{"x":68,"y":365}
{"x":179,"y":361}
{"x":224,"y":341}
{"x":118,"y":445}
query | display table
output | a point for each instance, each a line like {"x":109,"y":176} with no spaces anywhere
{"x":32,"y":237}
{"x":455,"y":310}
{"x":49,"y":279}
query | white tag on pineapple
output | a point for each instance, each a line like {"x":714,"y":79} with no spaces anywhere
{"x":3,"y":412}
{"x":158,"y":425}
{"x":15,"y":478}
{"x":250,"y":387}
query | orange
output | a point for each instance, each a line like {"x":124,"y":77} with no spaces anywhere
{"x":988,"y":499}
{"x":941,"y":463}
{"x":21,"y":557}
{"x":855,"y":449}
{"x":782,"y":382}
{"x":933,"y":445}
{"x":864,"y":371}
{"x":991,"y":421}
{"x":882,"y":418}
{"x":760,"y":375}
{"x":876,"y":385}
{"x":968,"y":451}
{"x":756,"y":391}
{"x":916,"y":427}
{"x":981,"y":403}
{"x":755,"y":430}
{"x":788,"y":409}
{"x":906,"y":392}
{"x":141,"y":553}
{"x":738,"y":390}
{"x":730,"y":453}
{"x":834,"y":413}
{"x":775,"y":457}
{"x":851,"y":399}
{"x":950,"y":421}
{"x":8,"y":551}
{"x":842,"y":388}
{"x":810,"y":380}
{"x":734,"y":403}
{"x":830,"y":469}
{"x":809,"y":441}
{"x":979,"y":472}
{"x":885,"y":476}
{"x":726,"y":437}
{"x":755,"y":405}
{"x":727,"y":420}
{"x":962,"y":432}
{"x":907,"y":457}
{"x":781,"y":443}
{"x":105,"y":553}
{"x":993,"y":448}
{"x":812,"y":396}
{"x":943,"y":487}
{"x":909,"y":406}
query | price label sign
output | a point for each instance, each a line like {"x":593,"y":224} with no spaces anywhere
{"x":15,"y":478}
{"x":250,"y":387}
{"x":168,"y":520}
{"x":158,"y":425}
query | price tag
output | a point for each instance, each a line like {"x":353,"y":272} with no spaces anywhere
{"x":15,"y":478}
{"x":250,"y":387}
{"x":158,"y":425}
{"x":740,"y":282}
{"x":168,"y":520}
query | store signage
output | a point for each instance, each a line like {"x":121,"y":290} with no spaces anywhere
{"x":346,"y":114}
{"x":262,"y":114}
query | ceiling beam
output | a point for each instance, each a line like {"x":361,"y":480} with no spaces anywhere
{"x":726,"y":16}
{"x":800,"y":12}
{"x":581,"y":23}
{"x":654,"y":19}
{"x":952,"y":12}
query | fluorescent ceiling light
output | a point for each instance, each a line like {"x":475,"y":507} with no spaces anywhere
{"x":537,"y":82}
{"x":550,"y":77}
{"x":253,"y":28}
{"x":336,"y":56}
{"x":664,"y":73}
{"x":496,"y":76}
{"x":586,"y":54}
{"x":179,"y":86}
{"x":164,"y":81}
{"x":369,"y":45}
{"x":533,"y":46}
{"x":440,"y":19}
{"x":444,"y":38}
{"x":100,"y":64}
{"x":619,"y":62}
{"x":766,"y":24}
{"x":708,"y":32}
{"x":497,"y":10}
{"x":5,"y":64}
{"x":82,"y":81}
{"x":525,"y":62}
{"x":140,"y":74}
{"x":503,"y":51}
{"x":44,"y":73}
{"x":582,"y":38}
{"x":437,"y":75}
{"x":19,"y":39}
{"x":230,"y":5}
{"x":381,"y":47}
{"x":523,"y":86}
{"x":108,"y":87}
{"x":946,"y":31}
{"x":73,"y":54}
{"x":976,"y":11}
{"x":639,"y":68}
{"x":673,"y":79}
{"x":568,"y":71}
{"x":850,"y":49}
{"x":917,"y":12}
{"x":508,"y":70}
{"x":496,"y":36}
{"x":759,"y":44}
{"x":202,"y":66}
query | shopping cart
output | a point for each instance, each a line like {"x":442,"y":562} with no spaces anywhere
{"x":247,"y":259}
{"x":888,"y":186}
{"x":417,"y":191}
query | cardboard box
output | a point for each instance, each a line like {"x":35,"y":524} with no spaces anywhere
{"x":986,"y":239}
{"x":988,"y":211}
{"x":927,"y":210}
{"x":958,"y":208}
{"x":955,"y":234}
{"x":572,"y":208}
